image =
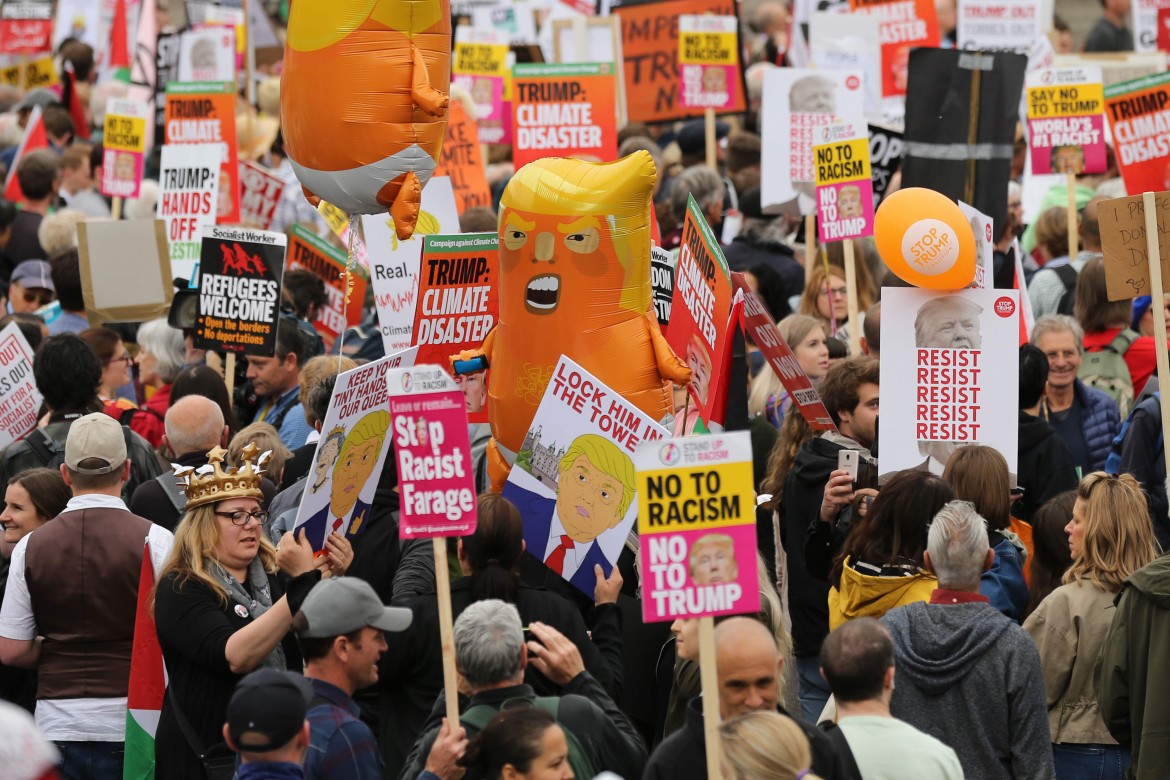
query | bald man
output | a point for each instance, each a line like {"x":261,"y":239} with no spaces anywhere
{"x":748,"y":666}
{"x":194,"y":426}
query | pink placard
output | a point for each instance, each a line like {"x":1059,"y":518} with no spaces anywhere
{"x":715,"y":569}
{"x":845,"y":210}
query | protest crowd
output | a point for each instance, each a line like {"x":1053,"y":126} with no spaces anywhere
{"x":490,"y":390}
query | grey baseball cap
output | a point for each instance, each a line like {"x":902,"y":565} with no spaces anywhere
{"x":342,"y":605}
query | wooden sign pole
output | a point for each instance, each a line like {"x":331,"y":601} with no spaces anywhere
{"x":115,"y":208}
{"x":709,"y":123}
{"x":229,"y":374}
{"x":851,"y":294}
{"x":1156,"y":293}
{"x":446,"y":631}
{"x":710,"y":680}
{"x":1072,"y":216}
{"x":810,"y":244}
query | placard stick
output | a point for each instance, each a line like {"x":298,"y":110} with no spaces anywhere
{"x":1072,"y":216}
{"x":710,"y":681}
{"x":1156,"y":292}
{"x":249,"y":56}
{"x":229,"y":374}
{"x":810,"y":244}
{"x":851,"y":295}
{"x":116,"y":208}
{"x":709,"y":122}
{"x":446,"y":630}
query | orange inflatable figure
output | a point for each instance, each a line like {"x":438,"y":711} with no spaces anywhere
{"x":575,"y":281}
{"x":363,"y":101}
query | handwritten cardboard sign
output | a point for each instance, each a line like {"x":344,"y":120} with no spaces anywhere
{"x":1123,"y":242}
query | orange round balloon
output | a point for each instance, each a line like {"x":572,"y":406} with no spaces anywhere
{"x":924,"y":238}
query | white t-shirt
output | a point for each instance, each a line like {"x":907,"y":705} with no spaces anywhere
{"x":890,"y":749}
{"x":72,"y":720}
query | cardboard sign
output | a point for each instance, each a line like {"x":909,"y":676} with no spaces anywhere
{"x":125,"y":276}
{"x":1139,"y":118}
{"x":885,"y":158}
{"x":240,"y":272}
{"x":697,"y":527}
{"x":30,"y":74}
{"x":260,"y":191}
{"x":480,"y":66}
{"x":708,"y":61}
{"x":1123,"y":243}
{"x":1147,"y":24}
{"x":905,"y":25}
{"x":461,"y":160}
{"x":436,"y":479}
{"x":662,"y":282}
{"x":844,"y":182}
{"x":796,"y":103}
{"x":26,"y":26}
{"x":188,"y":189}
{"x":650,"y":45}
{"x":574,"y":475}
{"x":1066,"y":126}
{"x":982,"y":229}
{"x":849,"y":42}
{"x":761,"y":329}
{"x":124,"y":147}
{"x":944,"y":351}
{"x":208,"y":54}
{"x":205,"y":113}
{"x":564,"y":111}
{"x":701,"y":306}
{"x":20,"y":401}
{"x":1003,"y":25}
{"x":308,"y":251}
{"x":458,"y":304}
{"x":394,"y":264}
{"x":354,"y":443}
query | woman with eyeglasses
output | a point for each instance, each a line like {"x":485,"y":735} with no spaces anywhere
{"x":116,"y":374}
{"x":221,"y":609}
{"x":1110,"y":538}
{"x":827,"y":298}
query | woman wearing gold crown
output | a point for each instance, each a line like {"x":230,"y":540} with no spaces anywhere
{"x":220,"y":609}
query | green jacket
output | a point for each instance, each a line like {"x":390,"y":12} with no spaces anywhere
{"x":1134,"y":670}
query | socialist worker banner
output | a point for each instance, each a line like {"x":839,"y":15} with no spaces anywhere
{"x":1139,"y":116}
{"x":566,"y":110}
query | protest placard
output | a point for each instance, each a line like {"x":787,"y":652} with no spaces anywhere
{"x":982,"y":229}
{"x":240,"y":272}
{"x":697,"y":527}
{"x":480,"y":67}
{"x":650,"y":47}
{"x":1066,"y":126}
{"x":708,"y":61}
{"x":208,"y":54}
{"x":436,"y":479}
{"x":564,"y":111}
{"x":840,"y":41}
{"x":354,"y":444}
{"x":20,"y":400}
{"x":394,"y":264}
{"x":26,"y":26}
{"x":166,"y":66}
{"x":885,"y":158}
{"x":796,"y":103}
{"x":963,"y":390}
{"x":260,"y":191}
{"x":459,"y":303}
{"x":1123,"y":243}
{"x":844,"y":182}
{"x":904,"y":25}
{"x":205,"y":113}
{"x":661,"y":282}
{"x":310,"y":252}
{"x":1003,"y":25}
{"x":125,"y":275}
{"x":1139,"y":118}
{"x":701,"y":306}
{"x":1147,"y":28}
{"x":461,"y":160}
{"x":515,"y":21}
{"x":123,"y":147}
{"x":188,"y":185}
{"x":574,"y":475}
{"x":29,"y":74}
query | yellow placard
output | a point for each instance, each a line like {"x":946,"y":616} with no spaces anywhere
{"x":31,"y":75}
{"x":124,"y":133}
{"x":695,"y":498}
{"x":841,"y":161}
{"x":337,"y":219}
{"x":707,"y":48}
{"x":1065,"y":100}
{"x":480,"y":59}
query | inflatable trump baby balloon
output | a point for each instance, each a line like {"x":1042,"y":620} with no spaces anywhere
{"x":574,"y":280}
{"x":363,"y":101}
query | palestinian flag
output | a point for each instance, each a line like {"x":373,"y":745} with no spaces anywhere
{"x":34,"y":138}
{"x":147,"y":683}
{"x":119,"y":44}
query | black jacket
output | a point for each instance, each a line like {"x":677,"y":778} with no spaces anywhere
{"x":1141,"y":455}
{"x":605,"y":733}
{"x":150,"y":499}
{"x":745,"y":253}
{"x":1045,"y":468}
{"x":683,"y":755}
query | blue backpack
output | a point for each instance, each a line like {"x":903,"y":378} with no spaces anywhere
{"x":1113,"y":460}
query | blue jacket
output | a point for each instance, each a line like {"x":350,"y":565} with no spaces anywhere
{"x":1100,"y":420}
{"x":537,"y":512}
{"x":1004,"y":582}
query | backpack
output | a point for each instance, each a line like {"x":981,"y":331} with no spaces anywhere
{"x":1068,"y":277}
{"x":50,"y":453}
{"x":1113,"y":459}
{"x":1106,"y":370}
{"x":481,"y":714}
{"x":841,"y":748}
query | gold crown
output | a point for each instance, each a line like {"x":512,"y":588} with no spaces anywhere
{"x":211,"y":483}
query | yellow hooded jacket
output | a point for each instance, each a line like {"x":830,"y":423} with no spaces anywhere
{"x":864,"y":595}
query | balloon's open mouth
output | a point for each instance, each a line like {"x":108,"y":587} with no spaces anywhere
{"x":543,"y":293}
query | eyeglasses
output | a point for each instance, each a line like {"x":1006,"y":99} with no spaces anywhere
{"x":839,"y":292}
{"x":127,"y":358}
{"x":42,"y":298}
{"x":240,"y":517}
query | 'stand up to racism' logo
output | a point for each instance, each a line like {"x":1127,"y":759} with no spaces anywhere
{"x":669,"y":454}
{"x":407,"y":381}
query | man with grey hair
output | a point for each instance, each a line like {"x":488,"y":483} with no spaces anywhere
{"x":1086,"y":418}
{"x":968,"y":675}
{"x":490,"y":656}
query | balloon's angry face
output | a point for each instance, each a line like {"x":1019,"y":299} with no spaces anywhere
{"x":555,"y":264}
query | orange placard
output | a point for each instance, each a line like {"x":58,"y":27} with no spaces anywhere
{"x":902,"y":25}
{"x":308,"y":251}
{"x":462,"y":160}
{"x":650,"y":49}
{"x":1136,"y":110}
{"x":205,"y":113}
{"x":567,"y":110}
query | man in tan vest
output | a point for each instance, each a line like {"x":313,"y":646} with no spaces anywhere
{"x":69,"y":607}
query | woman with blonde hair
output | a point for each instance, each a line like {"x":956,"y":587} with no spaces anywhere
{"x":805,"y":336}
{"x":826,"y":297}
{"x":1110,"y":538}
{"x":764,"y":744}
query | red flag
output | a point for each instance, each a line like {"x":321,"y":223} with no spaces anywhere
{"x":72,"y":102}
{"x":34,"y":138}
{"x":119,"y":48}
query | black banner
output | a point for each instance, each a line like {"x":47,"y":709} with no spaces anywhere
{"x":240,"y":274}
{"x":885,"y":158}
